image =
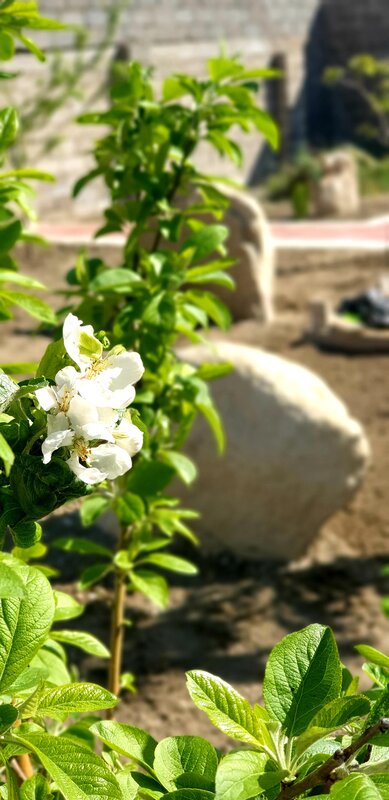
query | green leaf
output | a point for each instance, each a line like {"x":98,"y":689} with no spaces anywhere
{"x":33,"y":305}
{"x":52,"y":662}
{"x":7,"y":46}
{"x":208,"y":372}
{"x":334,"y":716}
{"x":224,"y":706}
{"x":12,"y":783}
{"x":226,"y":147}
{"x":173,"y":563}
{"x":72,"y":544}
{"x":152,"y":585}
{"x":218,"y":277}
{"x":32,"y":174}
{"x":54,"y":359}
{"x":24,"y":625}
{"x":205,"y":241}
{"x":9,"y":276}
{"x":148,"y":478}
{"x":189,"y":794}
{"x":85,"y":641}
{"x":10,"y":232}
{"x":92,"y":508}
{"x":11,"y":584}
{"x":92,"y":574}
{"x":221,"y":67}
{"x":20,"y":367}
{"x":114,"y":280}
{"x":245,"y":774}
{"x":205,"y":405}
{"x":266,"y":125}
{"x":128,"y":785}
{"x":8,"y":715}
{"x":183,"y":465}
{"x":78,"y":773}
{"x":129,"y":508}
{"x":378,"y":761}
{"x":172,"y":89}
{"x":381,"y":782}
{"x":66,"y":607}
{"x":8,"y":389}
{"x":9,"y":125}
{"x":373,"y":655}
{"x":302,"y":675}
{"x":59,"y":703}
{"x":215,"y":309}
{"x":29,"y":679}
{"x":6,"y":454}
{"x":127,"y":740}
{"x":36,"y":788}
{"x":358,"y":787}
{"x":32,"y":47}
{"x":26,"y":533}
{"x":178,"y":755}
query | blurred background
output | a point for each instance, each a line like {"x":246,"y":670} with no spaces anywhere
{"x":302,"y":39}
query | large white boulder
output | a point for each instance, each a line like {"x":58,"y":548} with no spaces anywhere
{"x":294,"y":455}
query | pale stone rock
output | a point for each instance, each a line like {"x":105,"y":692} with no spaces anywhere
{"x":337,"y":191}
{"x":250,"y":243}
{"x":294,"y":456}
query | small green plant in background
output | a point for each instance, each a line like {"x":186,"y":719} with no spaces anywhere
{"x":368,"y":78}
{"x":373,"y":173}
{"x":294,"y":181}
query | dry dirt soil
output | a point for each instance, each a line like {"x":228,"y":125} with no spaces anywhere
{"x":227,"y":619}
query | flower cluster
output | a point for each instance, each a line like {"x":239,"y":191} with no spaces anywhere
{"x":86,"y":407}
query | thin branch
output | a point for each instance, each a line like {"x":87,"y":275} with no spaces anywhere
{"x":323,"y":773}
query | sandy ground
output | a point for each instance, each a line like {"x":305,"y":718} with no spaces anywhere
{"x":227,"y":619}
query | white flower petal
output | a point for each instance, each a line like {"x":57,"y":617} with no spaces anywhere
{"x":93,"y":391}
{"x":89,"y":475}
{"x":68,"y":376}
{"x":72,"y":330}
{"x":54,"y":441}
{"x":96,"y":430}
{"x":81,"y":412}
{"x":111,"y":460}
{"x":130,"y":366}
{"x":108,"y":416}
{"x":46,"y":397}
{"x":128,"y":436}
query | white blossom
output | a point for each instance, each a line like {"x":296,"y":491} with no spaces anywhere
{"x":103,"y":381}
{"x":128,"y":436}
{"x":85,"y":407}
{"x":109,"y":381}
{"x":59,"y":434}
{"x":104,"y":461}
{"x":57,"y":398}
{"x":80,"y":342}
